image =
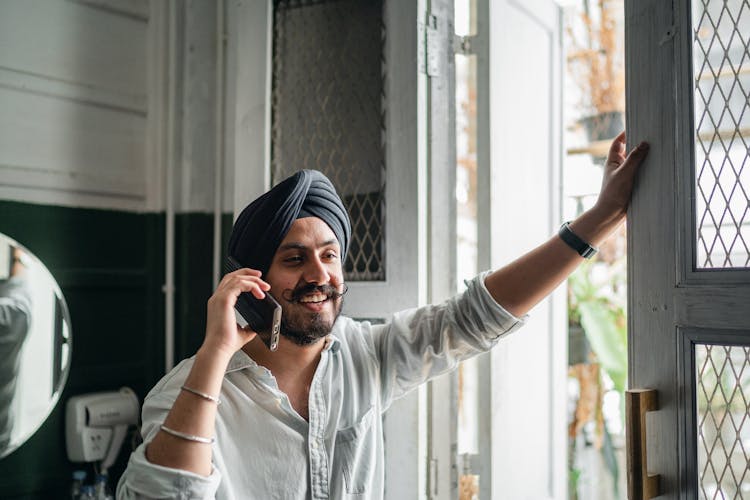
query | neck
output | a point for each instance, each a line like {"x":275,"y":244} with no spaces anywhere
{"x":289,"y":360}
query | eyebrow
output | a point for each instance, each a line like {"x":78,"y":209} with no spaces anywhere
{"x":299,"y":246}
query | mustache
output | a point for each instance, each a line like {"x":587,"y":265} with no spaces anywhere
{"x":330,"y":292}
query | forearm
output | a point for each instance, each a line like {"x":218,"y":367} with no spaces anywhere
{"x":194,"y":415}
{"x":523,"y":283}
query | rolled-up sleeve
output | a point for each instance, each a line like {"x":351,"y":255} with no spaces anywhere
{"x":145,"y":480}
{"x":418,"y":344}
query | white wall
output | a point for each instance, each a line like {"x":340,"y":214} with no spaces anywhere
{"x":86,"y":88}
{"x":73,"y":90}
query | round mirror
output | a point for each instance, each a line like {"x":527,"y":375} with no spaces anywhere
{"x":35,"y":344}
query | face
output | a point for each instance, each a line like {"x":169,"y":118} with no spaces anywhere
{"x":306,"y":278}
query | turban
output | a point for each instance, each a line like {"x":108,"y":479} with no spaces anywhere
{"x":263,"y":224}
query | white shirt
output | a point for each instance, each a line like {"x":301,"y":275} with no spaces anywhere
{"x":264,"y":450}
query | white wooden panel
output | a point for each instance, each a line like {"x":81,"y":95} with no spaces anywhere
{"x":138,"y":9}
{"x":74,"y":90}
{"x":21,"y":81}
{"x":442,"y":422}
{"x":726,"y":307}
{"x":527,"y":368}
{"x":57,"y":144}
{"x":159,"y":107}
{"x":652,"y":228}
{"x":405,"y":170}
{"x":405,"y":237}
{"x":75,"y":44}
{"x":197,"y":169}
{"x":248,"y":105}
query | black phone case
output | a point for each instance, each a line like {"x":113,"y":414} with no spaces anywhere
{"x":262,"y":315}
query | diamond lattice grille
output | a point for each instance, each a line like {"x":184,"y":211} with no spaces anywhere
{"x":723,"y":395}
{"x":721,"y":61}
{"x":327,"y":112}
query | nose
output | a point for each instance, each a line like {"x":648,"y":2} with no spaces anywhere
{"x":316,"y":272}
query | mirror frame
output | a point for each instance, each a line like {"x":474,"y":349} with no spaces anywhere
{"x":54,"y":398}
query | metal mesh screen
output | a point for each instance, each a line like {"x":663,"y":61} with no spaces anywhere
{"x":721,"y":61}
{"x":723,"y":399}
{"x":327,"y":112}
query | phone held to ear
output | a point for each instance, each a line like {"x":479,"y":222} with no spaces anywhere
{"x":263,"y":316}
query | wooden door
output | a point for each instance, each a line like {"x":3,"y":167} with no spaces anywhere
{"x":689,"y":230}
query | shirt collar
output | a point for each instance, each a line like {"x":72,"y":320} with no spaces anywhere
{"x":240,"y":360}
{"x":333,"y":344}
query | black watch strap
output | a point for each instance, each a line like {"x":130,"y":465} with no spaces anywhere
{"x":584,"y":249}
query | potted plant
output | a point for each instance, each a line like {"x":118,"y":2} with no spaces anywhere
{"x":597,"y":325}
{"x":596,"y":62}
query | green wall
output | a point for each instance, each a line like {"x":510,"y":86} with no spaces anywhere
{"x":110,"y":267}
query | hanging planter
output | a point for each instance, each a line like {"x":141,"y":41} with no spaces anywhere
{"x":596,"y":63}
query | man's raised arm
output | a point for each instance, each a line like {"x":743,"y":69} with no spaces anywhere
{"x":523,"y":283}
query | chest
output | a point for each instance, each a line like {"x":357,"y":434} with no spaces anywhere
{"x":299,"y":398}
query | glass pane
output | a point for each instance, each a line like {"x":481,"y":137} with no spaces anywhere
{"x":467,"y":445}
{"x":723,"y":392}
{"x":466,"y":229}
{"x":327,"y":112}
{"x":465,"y":17}
{"x":721,"y":60}
{"x":466,"y":167}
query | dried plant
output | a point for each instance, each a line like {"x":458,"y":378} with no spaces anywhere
{"x":596,"y":56}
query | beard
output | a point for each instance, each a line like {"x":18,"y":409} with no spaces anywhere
{"x":303,"y":327}
{"x":306,"y":328}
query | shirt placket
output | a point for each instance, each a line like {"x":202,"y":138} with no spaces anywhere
{"x":319,"y":470}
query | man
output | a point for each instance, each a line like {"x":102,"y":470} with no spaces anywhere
{"x":15,"y":324}
{"x":304,"y":421}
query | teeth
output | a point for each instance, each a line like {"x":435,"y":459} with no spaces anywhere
{"x":317,"y":297}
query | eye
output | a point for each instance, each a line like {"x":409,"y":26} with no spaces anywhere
{"x":330,"y":255}
{"x":293,"y":259}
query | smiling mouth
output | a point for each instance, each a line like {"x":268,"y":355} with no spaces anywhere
{"x":315,"y":298}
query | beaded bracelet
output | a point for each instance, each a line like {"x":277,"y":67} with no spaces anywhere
{"x":208,"y":397}
{"x":187,"y":437}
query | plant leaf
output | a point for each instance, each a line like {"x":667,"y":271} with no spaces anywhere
{"x":608,"y":340}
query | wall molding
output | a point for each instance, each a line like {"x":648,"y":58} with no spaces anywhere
{"x":32,"y":83}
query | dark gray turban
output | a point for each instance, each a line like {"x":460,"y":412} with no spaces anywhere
{"x":263,"y":224}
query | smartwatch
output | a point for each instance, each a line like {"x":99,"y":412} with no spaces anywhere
{"x":583,"y":248}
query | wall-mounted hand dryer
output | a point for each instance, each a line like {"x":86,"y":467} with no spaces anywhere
{"x":96,"y":425}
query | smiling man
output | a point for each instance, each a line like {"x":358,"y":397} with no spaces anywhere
{"x":304,"y":421}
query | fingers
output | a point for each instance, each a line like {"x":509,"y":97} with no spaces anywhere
{"x":244,"y":280}
{"x":616,"y":156}
{"x":637,"y":154}
{"x":616,"y":153}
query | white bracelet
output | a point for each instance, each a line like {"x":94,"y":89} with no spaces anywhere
{"x":187,"y":437}
{"x":208,"y":397}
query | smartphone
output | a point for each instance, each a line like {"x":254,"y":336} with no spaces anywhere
{"x":262,"y":315}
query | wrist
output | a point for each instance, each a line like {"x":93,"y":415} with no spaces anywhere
{"x":207,"y":373}
{"x":570,"y":238}
{"x":607,"y":216}
{"x":596,"y":224}
{"x":211,"y":354}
